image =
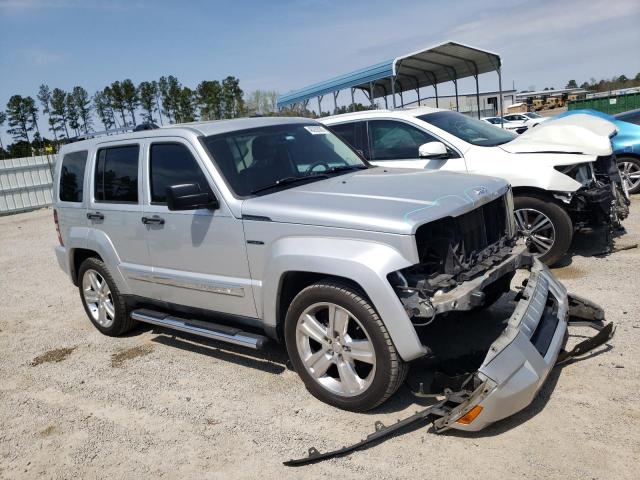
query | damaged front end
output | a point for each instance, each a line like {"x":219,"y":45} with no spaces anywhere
{"x":512,"y":370}
{"x":602,"y":200}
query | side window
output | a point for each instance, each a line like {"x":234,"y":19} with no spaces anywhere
{"x":347,"y":132}
{"x":392,"y":140}
{"x":72,"y":176}
{"x":116,"y":178}
{"x":172,"y":164}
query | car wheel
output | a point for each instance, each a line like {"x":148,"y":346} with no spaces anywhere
{"x":630,"y":173}
{"x":545,"y":226}
{"x":105,"y":306}
{"x":340,"y":348}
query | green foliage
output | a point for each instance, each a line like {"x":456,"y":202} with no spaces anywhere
{"x":571,"y":84}
{"x":58,"y":115}
{"x":209,"y":98}
{"x":82,"y":102}
{"x":262,"y":102}
{"x":147,"y":93}
{"x":130,"y":98}
{"x":232,"y":101}
{"x":20,"y":119}
{"x":615,"y":83}
{"x":101,"y":102}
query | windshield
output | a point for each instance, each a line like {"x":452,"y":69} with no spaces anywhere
{"x":495,"y":120}
{"x":468,"y":129}
{"x":532,"y":115}
{"x":258,"y":159}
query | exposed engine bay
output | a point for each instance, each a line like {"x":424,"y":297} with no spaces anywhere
{"x":602,"y":201}
{"x":453,"y":251}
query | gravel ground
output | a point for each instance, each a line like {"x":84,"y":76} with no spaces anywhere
{"x":76,"y":404}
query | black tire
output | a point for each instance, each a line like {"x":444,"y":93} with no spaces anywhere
{"x":559,"y":218}
{"x":390,"y":370}
{"x":635,"y":162}
{"x":122,"y":322}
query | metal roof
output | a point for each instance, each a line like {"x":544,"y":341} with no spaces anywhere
{"x":449,"y":61}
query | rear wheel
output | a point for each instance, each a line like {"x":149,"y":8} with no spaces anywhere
{"x":545,"y":226}
{"x":105,"y":306}
{"x":630,"y":173}
{"x":339,"y":346}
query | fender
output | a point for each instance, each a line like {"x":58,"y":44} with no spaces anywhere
{"x":365,"y":262}
{"x":99,"y":242}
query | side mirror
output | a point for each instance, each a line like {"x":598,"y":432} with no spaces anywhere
{"x":189,"y":196}
{"x":433,"y":150}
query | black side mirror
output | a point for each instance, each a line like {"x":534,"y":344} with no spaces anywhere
{"x":189,"y":196}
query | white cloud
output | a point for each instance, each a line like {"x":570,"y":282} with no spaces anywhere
{"x":41,"y":57}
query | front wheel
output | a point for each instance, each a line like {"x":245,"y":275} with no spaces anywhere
{"x":630,"y":173}
{"x":339,"y":346}
{"x":545,"y":226}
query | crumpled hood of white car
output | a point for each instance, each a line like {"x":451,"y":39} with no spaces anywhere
{"x":585,"y":134}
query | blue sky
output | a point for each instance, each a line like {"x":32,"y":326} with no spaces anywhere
{"x":287,"y":44}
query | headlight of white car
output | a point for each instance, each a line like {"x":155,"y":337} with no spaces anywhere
{"x":580,"y":172}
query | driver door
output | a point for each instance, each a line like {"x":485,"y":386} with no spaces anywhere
{"x":394,"y":143}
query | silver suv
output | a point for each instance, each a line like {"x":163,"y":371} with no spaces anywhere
{"x":250,"y":229}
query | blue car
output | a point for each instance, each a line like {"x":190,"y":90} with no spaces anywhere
{"x":626,"y":144}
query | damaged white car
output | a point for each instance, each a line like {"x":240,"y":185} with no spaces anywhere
{"x":563,"y":173}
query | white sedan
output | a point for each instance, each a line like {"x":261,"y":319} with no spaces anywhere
{"x":502,"y":123}
{"x":563,"y":173}
{"x":526,"y":119}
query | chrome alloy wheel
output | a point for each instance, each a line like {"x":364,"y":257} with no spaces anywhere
{"x":335,"y":349}
{"x":630,"y":173}
{"x":537,"y":230}
{"x":97,"y":296}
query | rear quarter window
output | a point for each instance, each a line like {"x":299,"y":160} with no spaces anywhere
{"x":72,"y":176}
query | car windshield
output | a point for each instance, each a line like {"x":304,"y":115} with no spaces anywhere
{"x":532,"y":115}
{"x":632,"y":117}
{"x":262,"y":160}
{"x":468,"y":129}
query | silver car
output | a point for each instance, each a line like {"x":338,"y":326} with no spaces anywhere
{"x":271,"y":228}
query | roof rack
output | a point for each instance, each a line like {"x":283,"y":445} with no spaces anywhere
{"x":130,"y":128}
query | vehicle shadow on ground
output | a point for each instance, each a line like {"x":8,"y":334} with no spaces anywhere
{"x":538,"y":404}
{"x":271,"y":359}
{"x":592,"y":243}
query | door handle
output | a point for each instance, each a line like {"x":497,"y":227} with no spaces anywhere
{"x":95,"y":216}
{"x":155,"y":220}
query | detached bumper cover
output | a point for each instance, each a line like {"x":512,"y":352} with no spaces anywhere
{"x":516,"y":366}
{"x":520,"y":360}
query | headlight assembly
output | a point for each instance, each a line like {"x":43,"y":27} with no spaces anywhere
{"x":580,"y":172}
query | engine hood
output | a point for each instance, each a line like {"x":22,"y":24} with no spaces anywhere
{"x":584,"y":134}
{"x":378,"y":199}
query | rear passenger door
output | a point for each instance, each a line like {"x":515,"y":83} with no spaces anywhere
{"x":114,"y":213}
{"x":199,"y":256}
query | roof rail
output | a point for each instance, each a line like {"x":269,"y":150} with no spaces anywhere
{"x":130,"y":128}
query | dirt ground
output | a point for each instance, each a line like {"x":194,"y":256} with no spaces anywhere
{"x":76,"y":404}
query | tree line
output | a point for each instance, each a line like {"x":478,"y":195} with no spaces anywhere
{"x":75,"y":113}
{"x":604,"y":85}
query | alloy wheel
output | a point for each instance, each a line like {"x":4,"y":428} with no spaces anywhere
{"x":537,"y":230}
{"x":335,"y":349}
{"x":630,"y":173}
{"x":97,"y":296}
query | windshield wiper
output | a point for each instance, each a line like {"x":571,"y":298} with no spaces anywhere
{"x":288,"y":181}
{"x":346,"y":168}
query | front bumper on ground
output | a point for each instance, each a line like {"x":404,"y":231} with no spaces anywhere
{"x":516,"y":366}
{"x":520,"y":360}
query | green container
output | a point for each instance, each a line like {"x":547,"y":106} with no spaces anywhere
{"x":612,"y":104}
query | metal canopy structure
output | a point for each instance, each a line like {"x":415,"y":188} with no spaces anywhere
{"x":429,"y":67}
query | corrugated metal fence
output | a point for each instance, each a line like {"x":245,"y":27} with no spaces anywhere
{"x":25,"y":183}
{"x":610,"y":105}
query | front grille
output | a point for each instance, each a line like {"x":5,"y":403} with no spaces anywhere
{"x":544,"y":332}
{"x":459,"y":246}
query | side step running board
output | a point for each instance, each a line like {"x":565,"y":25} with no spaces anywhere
{"x":214,"y":331}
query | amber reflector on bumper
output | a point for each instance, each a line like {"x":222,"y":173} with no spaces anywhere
{"x":470,"y":416}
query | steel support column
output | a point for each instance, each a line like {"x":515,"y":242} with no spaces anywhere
{"x":455,"y":84}
{"x":335,"y":101}
{"x":353,"y":100}
{"x":320,"y":105}
{"x":499,"y":69}
{"x":393,"y":90}
{"x":435,"y":87}
{"x":371,"y":93}
{"x":477,"y":95}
